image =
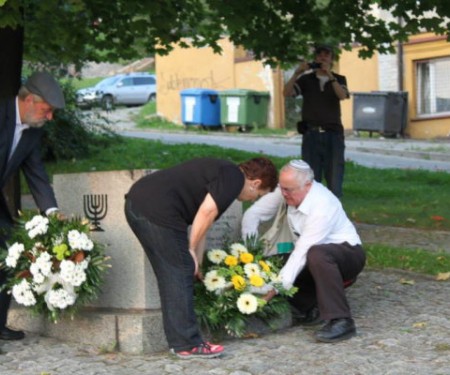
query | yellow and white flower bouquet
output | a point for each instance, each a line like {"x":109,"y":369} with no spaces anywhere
{"x":235,"y":280}
{"x":54,"y":267}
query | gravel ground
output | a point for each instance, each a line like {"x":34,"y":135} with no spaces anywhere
{"x":403,"y":328}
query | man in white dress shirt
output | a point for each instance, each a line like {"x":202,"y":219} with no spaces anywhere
{"x":327,"y":254}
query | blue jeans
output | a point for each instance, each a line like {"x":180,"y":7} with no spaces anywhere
{"x":168,"y":252}
{"x":324,"y":152}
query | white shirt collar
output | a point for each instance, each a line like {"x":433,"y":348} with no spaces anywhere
{"x":19,"y":123}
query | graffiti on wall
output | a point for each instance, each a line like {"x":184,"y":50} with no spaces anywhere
{"x":176,"y":82}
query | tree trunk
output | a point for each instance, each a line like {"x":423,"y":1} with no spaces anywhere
{"x":11,"y":55}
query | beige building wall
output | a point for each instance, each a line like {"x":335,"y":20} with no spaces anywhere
{"x":424,"y":47}
{"x":364,"y":76}
{"x":187,"y":68}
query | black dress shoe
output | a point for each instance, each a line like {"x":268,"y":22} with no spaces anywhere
{"x":308,"y":318}
{"x":9,"y":334}
{"x":337,"y":330}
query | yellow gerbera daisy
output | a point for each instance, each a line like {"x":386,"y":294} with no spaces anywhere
{"x":231,"y":261}
{"x":238,"y":282}
{"x":264,"y":266}
{"x":246,"y":258}
{"x":256,"y":280}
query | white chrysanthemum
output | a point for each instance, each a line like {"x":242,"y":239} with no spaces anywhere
{"x":237,"y":249}
{"x":14,"y":252}
{"x":216,"y":256}
{"x":59,"y":298}
{"x":252,"y":269}
{"x":79,"y":277}
{"x":23,"y":294}
{"x":85,"y":263}
{"x":41,"y":268}
{"x":213,"y":281}
{"x":79,"y":241}
{"x":36,"y":226}
{"x":247,"y":303}
{"x":73,"y":273}
{"x":44,"y":262}
{"x":73,"y":237}
{"x":85,"y":243}
{"x":38,"y":278}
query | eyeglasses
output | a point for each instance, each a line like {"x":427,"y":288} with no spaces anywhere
{"x":289,"y":190}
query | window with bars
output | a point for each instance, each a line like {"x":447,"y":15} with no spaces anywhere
{"x":433,"y":87}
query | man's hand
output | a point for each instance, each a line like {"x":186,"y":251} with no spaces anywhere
{"x":272,"y":293}
{"x":303,"y":67}
{"x":194,"y":257}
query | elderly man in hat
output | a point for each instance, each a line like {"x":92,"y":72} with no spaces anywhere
{"x":323,"y":133}
{"x":21,"y":119}
{"x":326,"y":252}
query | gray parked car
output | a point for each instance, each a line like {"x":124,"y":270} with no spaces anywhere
{"x":126,"y":89}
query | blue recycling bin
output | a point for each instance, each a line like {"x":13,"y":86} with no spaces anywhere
{"x":200,"y":107}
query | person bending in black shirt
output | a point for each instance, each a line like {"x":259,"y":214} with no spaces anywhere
{"x":159,"y":208}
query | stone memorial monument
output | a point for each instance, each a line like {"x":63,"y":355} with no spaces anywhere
{"x":126,"y":316}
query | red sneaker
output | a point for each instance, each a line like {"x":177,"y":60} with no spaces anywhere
{"x":204,"y":350}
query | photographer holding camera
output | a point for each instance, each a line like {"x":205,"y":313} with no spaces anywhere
{"x":323,"y":133}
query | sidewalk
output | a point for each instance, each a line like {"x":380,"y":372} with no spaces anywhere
{"x":403,"y":329}
{"x":437,"y":149}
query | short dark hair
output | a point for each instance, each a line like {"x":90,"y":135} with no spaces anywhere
{"x":261,"y":168}
{"x":318,"y":48}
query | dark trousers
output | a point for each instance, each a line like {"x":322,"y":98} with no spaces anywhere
{"x":5,"y":298}
{"x":168,"y":252}
{"x":5,"y":301}
{"x":329,"y":269}
{"x":324,"y":152}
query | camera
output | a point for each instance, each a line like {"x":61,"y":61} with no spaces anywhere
{"x":314,"y":65}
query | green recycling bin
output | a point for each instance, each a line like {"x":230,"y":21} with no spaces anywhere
{"x":244,"y":108}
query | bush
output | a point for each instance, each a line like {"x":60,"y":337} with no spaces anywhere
{"x":73,"y":134}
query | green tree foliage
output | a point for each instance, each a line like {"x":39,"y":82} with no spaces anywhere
{"x":74,"y":31}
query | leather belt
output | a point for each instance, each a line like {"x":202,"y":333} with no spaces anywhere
{"x":316,"y":128}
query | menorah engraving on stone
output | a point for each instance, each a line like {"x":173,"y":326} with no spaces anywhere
{"x":95,"y":208}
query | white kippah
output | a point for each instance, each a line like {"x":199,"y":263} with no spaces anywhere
{"x":299,"y":165}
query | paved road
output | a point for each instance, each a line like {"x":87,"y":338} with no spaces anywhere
{"x":375,"y":153}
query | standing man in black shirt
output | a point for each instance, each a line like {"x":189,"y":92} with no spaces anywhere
{"x":323,"y":133}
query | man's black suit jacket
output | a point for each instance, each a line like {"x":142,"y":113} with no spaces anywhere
{"x":27,"y":157}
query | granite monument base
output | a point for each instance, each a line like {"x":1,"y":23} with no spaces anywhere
{"x":106,"y":329}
